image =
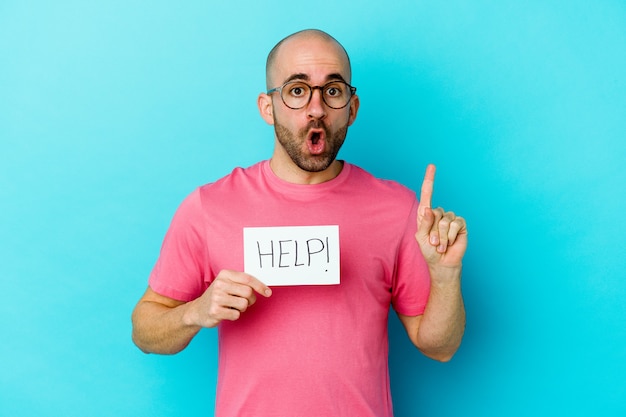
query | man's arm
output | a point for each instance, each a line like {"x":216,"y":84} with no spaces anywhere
{"x":442,"y":238}
{"x":165,"y":325}
{"x":438,"y":332}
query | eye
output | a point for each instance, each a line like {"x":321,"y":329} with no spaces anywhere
{"x":334,"y":90}
{"x":297,"y":90}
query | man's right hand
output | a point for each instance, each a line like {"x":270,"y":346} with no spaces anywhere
{"x":165,"y":325}
{"x":229,"y":295}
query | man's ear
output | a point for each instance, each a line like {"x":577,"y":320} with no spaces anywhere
{"x":354,"y":108}
{"x":265,"y":108}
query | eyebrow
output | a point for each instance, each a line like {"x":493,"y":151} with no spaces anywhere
{"x":305,"y":77}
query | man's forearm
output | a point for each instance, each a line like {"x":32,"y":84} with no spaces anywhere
{"x":443,"y":323}
{"x":161,"y":329}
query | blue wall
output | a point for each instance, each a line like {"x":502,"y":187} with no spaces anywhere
{"x":111,"y":112}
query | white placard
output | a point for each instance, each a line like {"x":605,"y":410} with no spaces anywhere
{"x":295,"y":255}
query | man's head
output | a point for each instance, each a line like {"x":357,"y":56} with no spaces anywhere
{"x":309,"y":132}
{"x":270,"y":65}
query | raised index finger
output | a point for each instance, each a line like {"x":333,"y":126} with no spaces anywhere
{"x":426,"y":197}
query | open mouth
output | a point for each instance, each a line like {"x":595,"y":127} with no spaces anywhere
{"x":316,"y":141}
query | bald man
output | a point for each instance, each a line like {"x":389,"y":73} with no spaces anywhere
{"x":307,"y":350}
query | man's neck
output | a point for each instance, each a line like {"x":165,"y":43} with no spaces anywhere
{"x":290,"y":172}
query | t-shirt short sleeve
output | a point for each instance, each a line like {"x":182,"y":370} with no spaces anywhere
{"x":180,"y":271}
{"x":411,"y":286}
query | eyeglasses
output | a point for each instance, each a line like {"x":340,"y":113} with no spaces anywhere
{"x":297,"y":94}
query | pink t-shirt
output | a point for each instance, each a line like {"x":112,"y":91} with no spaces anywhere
{"x":307,"y":350}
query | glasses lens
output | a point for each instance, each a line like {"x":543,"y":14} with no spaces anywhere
{"x":336,"y":94}
{"x":296,"y":94}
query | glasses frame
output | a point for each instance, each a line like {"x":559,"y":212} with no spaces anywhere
{"x":311,"y":89}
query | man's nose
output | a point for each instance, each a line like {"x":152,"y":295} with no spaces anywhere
{"x":316,"y":108}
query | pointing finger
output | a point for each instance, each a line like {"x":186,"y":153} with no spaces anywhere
{"x":428,"y":185}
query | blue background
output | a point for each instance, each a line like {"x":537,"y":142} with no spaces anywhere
{"x":111,"y":112}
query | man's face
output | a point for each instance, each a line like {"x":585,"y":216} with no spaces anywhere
{"x":311,"y":136}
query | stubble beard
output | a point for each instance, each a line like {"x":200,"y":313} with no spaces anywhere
{"x":293,"y":145}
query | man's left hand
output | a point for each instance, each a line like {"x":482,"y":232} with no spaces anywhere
{"x":442,"y":236}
